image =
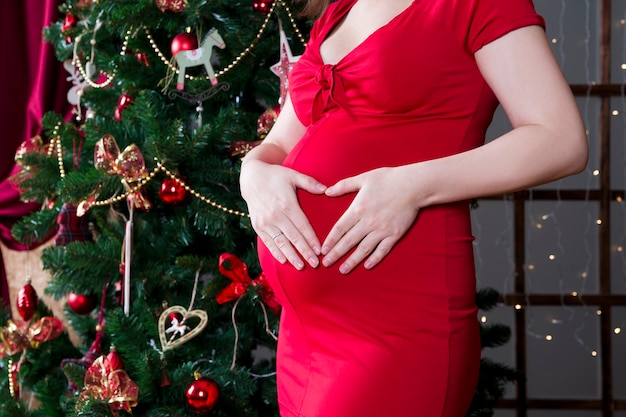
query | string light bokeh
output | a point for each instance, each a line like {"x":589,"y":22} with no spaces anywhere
{"x":561,"y":242}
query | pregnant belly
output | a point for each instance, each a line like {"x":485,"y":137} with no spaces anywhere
{"x":340,"y":146}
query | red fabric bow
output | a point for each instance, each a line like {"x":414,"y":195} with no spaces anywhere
{"x":235,"y":269}
{"x":330,"y":92}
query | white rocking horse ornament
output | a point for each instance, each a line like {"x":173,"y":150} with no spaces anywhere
{"x":199,"y":56}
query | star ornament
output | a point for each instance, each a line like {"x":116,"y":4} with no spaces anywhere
{"x":283,"y":67}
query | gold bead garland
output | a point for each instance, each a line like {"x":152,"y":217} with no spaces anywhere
{"x":83,"y":73}
{"x":293,"y":22}
{"x":165,"y":61}
{"x":200,"y":196}
{"x":159,"y":167}
{"x":55,"y":143}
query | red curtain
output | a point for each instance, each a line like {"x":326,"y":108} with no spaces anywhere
{"x":33,"y":82}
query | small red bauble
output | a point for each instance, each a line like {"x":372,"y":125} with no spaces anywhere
{"x":172,"y":192}
{"x":142,"y":58}
{"x":266,"y":121}
{"x":80,"y":303}
{"x":124,"y":101}
{"x":27,"y":302}
{"x":184,"y":42}
{"x":202,"y":395}
{"x":69,"y":22}
{"x":262,"y":6}
{"x":115,"y":360}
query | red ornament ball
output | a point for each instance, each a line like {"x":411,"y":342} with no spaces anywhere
{"x":27,"y":302}
{"x":202,"y":395}
{"x":184,"y":42}
{"x":266,"y":121}
{"x":80,"y":303}
{"x":124,"y":101}
{"x":172,"y":192}
{"x":262,"y":6}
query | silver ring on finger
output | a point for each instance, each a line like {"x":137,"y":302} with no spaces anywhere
{"x":276,"y":235}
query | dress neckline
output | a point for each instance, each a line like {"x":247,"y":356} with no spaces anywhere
{"x":337,"y":20}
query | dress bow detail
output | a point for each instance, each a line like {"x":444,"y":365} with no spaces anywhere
{"x":331,"y":92}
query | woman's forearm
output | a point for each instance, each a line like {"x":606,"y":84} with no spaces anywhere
{"x":525,"y":157}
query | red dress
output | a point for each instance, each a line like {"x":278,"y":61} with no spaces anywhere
{"x":402,"y":339}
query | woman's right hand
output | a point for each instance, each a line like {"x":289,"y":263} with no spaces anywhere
{"x":276,"y":216}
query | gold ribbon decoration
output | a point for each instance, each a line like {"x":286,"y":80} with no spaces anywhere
{"x":14,"y":340}
{"x":128,"y":164}
{"x":105,"y":383}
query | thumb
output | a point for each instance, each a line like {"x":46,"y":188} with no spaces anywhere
{"x":345,"y":186}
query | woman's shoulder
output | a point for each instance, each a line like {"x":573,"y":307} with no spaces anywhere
{"x":478,"y":22}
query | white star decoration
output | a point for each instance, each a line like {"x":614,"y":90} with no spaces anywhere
{"x":283,"y":67}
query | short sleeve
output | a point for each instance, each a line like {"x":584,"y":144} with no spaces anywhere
{"x":489,"y":20}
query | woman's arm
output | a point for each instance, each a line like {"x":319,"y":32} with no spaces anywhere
{"x":270,"y":192}
{"x":547,"y":142}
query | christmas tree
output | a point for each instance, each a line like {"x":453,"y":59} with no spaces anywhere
{"x":139,"y":187}
{"x":153,"y":249}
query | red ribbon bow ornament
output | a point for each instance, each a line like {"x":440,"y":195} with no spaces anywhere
{"x":235,"y":269}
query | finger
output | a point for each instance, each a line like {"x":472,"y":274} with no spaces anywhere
{"x":281,"y":249}
{"x":345,"y":186}
{"x":340,"y":240}
{"x":382,"y":250}
{"x":308,"y":247}
{"x":283,"y":244}
{"x":309,"y":184}
{"x":274,"y":250}
{"x":346,"y":223}
{"x":299,"y":232}
{"x":291,"y":240}
{"x":370,"y":245}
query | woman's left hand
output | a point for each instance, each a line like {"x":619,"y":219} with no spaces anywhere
{"x":382,"y":211}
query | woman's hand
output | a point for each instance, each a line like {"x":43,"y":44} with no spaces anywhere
{"x":270,"y":192}
{"x":380,"y":214}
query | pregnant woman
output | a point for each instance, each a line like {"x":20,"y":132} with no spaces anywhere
{"x":360,"y":194}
